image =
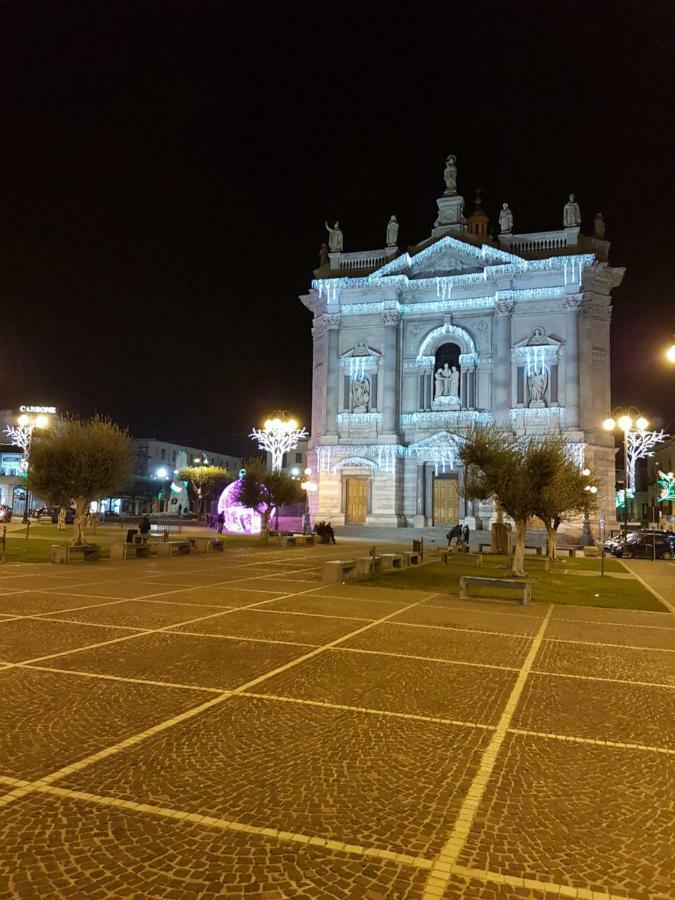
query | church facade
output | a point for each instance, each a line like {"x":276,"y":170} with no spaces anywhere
{"x":412,"y":349}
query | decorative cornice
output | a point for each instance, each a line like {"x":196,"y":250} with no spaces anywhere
{"x":391,"y":317}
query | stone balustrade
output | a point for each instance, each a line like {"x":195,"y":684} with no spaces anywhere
{"x":364,"y":259}
{"x":541,"y":241}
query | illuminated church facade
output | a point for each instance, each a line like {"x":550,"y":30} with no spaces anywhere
{"x":411,"y":349}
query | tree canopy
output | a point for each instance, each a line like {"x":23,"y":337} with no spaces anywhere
{"x":80,"y":461}
{"x":264,"y":490}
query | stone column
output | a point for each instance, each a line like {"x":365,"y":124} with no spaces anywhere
{"x":571,"y":305}
{"x":502,"y":368}
{"x":390,"y":319}
{"x":332,"y":373}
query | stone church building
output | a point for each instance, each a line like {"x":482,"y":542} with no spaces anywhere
{"x":413,"y":348}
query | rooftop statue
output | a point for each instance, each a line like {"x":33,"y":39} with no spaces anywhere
{"x":505,"y":219}
{"x":571,"y":213}
{"x":392,"y":232}
{"x":450,"y":175}
{"x":599,"y":226}
{"x":335,"y":242}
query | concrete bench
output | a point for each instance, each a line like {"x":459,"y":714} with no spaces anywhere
{"x":173,"y":548}
{"x":410,"y":558}
{"x":290,"y":540}
{"x":391,"y":561}
{"x":64,"y":553}
{"x":591,"y":551}
{"x":570,"y":551}
{"x":125,"y":551}
{"x":544,"y":560}
{"x":487,"y":544}
{"x":368,"y":565}
{"x":337,"y":570}
{"x":475,"y":558}
{"x":466,"y":580}
{"x":538,"y":549}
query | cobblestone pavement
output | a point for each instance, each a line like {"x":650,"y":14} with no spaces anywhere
{"x":230,"y":727}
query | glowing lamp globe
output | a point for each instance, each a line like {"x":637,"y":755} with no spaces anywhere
{"x":642,"y":423}
{"x":41,"y":421}
{"x":625,"y":423}
{"x":609,"y":424}
{"x":670,"y":354}
{"x":24,"y":420}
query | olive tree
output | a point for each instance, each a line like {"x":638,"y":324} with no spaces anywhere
{"x":265,"y":490}
{"x":81,"y":461}
{"x":511,"y":470}
{"x":203,"y":480}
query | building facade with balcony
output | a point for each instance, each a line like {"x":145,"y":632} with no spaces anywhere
{"x":411,"y":349}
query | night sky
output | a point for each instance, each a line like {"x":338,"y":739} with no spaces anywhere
{"x":166,"y":169}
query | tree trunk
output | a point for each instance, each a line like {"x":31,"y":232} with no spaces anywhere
{"x":552,"y":534}
{"x":518,"y":561}
{"x":61,"y":520}
{"x":78,"y":531}
{"x":264,"y":524}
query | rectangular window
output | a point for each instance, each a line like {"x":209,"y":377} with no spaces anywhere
{"x":298,"y":457}
{"x":553,"y":388}
{"x":163,"y":453}
{"x":346,"y":404}
{"x":423,"y":379}
{"x":520,"y":386}
{"x":373,"y":391}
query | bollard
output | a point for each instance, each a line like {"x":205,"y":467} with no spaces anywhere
{"x":27,"y":529}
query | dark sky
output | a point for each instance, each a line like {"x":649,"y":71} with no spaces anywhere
{"x":166,"y":169}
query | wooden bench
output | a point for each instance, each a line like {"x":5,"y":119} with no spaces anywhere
{"x":125,"y":551}
{"x":475,"y":558}
{"x":391,"y":561}
{"x":466,"y":580}
{"x":64,"y":553}
{"x":337,"y":570}
{"x":173,"y":548}
{"x":368,"y":565}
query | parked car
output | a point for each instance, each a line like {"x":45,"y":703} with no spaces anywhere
{"x":646,"y":546}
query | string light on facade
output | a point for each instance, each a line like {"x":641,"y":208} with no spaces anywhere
{"x":279,"y":435}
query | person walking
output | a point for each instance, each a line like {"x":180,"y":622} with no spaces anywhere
{"x":144,"y":529}
{"x":454,"y":534}
{"x":221,"y":522}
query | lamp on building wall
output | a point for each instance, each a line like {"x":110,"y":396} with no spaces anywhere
{"x":638,"y":443}
{"x":307,"y":485}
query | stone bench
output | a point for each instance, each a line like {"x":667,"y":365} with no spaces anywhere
{"x":337,"y":570}
{"x":172,"y":548}
{"x":475,"y":558}
{"x":544,"y":560}
{"x":124,"y":551}
{"x":368,"y":565}
{"x":391,"y":561}
{"x":64,"y":553}
{"x":290,"y":540}
{"x":570,"y":551}
{"x":466,"y":580}
{"x":410,"y":558}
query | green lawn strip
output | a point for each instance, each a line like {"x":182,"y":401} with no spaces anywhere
{"x":547,"y":587}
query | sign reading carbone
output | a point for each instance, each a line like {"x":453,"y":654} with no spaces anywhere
{"x":38,"y":409}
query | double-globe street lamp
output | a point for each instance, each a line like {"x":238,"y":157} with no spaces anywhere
{"x":308,"y":486}
{"x":200,"y":462}
{"x":586,"y":535}
{"x":637,"y":444}
{"x":21,"y":436}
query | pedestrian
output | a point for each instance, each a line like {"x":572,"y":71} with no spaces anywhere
{"x":221,"y":522}
{"x":144,"y":529}
{"x":454,"y":534}
{"x":330,"y":533}
{"x":465,"y":534}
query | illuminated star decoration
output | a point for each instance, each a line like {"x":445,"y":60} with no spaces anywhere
{"x":666,"y":481}
{"x":278,"y":435}
{"x":19,"y":436}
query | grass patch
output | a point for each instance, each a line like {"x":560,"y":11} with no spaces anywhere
{"x":547,"y":587}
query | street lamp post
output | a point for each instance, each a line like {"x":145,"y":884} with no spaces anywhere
{"x":21,"y":435}
{"x":637,"y":444}
{"x":307,"y":485}
{"x":200,"y":462}
{"x":586,"y":534}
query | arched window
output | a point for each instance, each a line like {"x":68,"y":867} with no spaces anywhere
{"x":447,"y":353}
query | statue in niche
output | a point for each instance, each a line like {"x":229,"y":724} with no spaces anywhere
{"x":392,"y":232}
{"x":450,"y":175}
{"x":439,"y":382}
{"x":599,"y":226}
{"x":361,"y":395}
{"x":505,"y":219}
{"x":323,"y":255}
{"x":335,"y":237}
{"x":537,"y":382}
{"x":571,"y":213}
{"x":453,"y":388}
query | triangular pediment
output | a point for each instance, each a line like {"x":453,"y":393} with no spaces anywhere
{"x":446,"y":257}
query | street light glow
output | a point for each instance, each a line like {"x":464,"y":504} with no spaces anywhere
{"x":586,"y":472}
{"x":642,"y":423}
{"x":625,"y":423}
{"x":609,"y":424}
{"x":670,"y":354}
{"x":279,"y":435}
{"x":24,"y":420}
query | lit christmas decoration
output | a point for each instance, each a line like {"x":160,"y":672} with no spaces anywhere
{"x":278,"y":435}
{"x":239,"y":518}
{"x":639,"y":444}
{"x":19,"y":436}
{"x":666,"y":482}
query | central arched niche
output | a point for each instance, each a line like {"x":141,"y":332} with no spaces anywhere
{"x":447,"y":372}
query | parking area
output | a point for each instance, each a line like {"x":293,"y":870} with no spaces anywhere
{"x":228,"y":726}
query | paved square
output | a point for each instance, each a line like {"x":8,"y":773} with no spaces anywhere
{"x":228,"y":726}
